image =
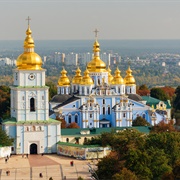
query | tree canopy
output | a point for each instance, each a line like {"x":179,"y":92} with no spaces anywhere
{"x":139,"y":121}
{"x":177,"y":99}
{"x":140,"y":156}
{"x":4,"y":101}
{"x":5,"y":140}
{"x":159,"y":93}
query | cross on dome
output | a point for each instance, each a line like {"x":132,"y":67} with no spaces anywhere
{"x":96,"y":32}
{"x":28,"y":19}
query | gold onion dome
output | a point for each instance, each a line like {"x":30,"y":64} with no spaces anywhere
{"x":29,"y":59}
{"x":63,"y":80}
{"x":78,"y":77}
{"x":96,"y":64}
{"x":86,"y":80}
{"x":110,"y":77}
{"x":117,"y":77}
{"x":129,"y":79}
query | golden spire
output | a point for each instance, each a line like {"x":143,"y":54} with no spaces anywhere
{"x":110,"y":77}
{"x":86,"y":80}
{"x":117,"y":77}
{"x":78,"y":77}
{"x":96,"y":64}
{"x":63,"y":80}
{"x":29,"y":60}
{"x":129,"y":79}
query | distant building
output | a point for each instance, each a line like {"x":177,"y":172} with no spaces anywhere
{"x":7,"y":61}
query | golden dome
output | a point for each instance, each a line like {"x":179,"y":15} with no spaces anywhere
{"x":86,"y":80}
{"x":117,"y":77}
{"x":129,"y":79}
{"x":29,"y":59}
{"x":63,"y":80}
{"x":78,"y":77}
{"x":96,"y":64}
{"x":110,"y":77}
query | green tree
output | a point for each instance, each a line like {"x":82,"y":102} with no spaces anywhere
{"x":177,"y":99}
{"x":4,"y":102}
{"x":125,"y":174}
{"x":5,"y":140}
{"x":139,"y":121}
{"x":158,"y":93}
{"x":107,"y":167}
{"x":163,"y":127}
{"x":52,"y":89}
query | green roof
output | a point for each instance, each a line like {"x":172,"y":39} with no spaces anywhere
{"x":77,"y":145}
{"x":153,"y":101}
{"x":98,"y":131}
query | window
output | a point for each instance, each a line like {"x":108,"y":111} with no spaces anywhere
{"x":124,"y":114}
{"x":23,"y":98}
{"x":144,"y":116}
{"x":69,"y":119}
{"x":103,"y":101}
{"x":104,"y":111}
{"x":98,"y":81}
{"x":76,"y":118}
{"x":67,"y":140}
{"x":109,"y":110}
{"x":90,"y":115}
{"x":42,"y":97}
{"x":32,"y":104}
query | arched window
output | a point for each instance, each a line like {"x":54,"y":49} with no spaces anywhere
{"x":103,"y":101}
{"x":144,"y":116}
{"x":109,"y":110}
{"x":69,"y":119}
{"x":104,"y":111}
{"x":32,"y":104}
{"x":67,"y":140}
{"x":76,"y":118}
{"x":130,"y":90}
{"x":98,"y":81}
{"x":85,"y":139}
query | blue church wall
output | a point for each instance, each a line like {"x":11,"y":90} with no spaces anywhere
{"x":136,"y":104}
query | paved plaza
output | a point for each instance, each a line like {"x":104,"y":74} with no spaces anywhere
{"x":57,"y":167}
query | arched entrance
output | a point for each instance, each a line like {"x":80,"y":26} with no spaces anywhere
{"x":33,"y":148}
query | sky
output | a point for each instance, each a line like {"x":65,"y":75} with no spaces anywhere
{"x":77,"y":19}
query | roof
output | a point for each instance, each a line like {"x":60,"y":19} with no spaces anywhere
{"x":153,"y":101}
{"x":60,"y":98}
{"x":71,"y":99}
{"x":98,"y":131}
{"x":77,"y":145}
{"x":135,"y":97}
